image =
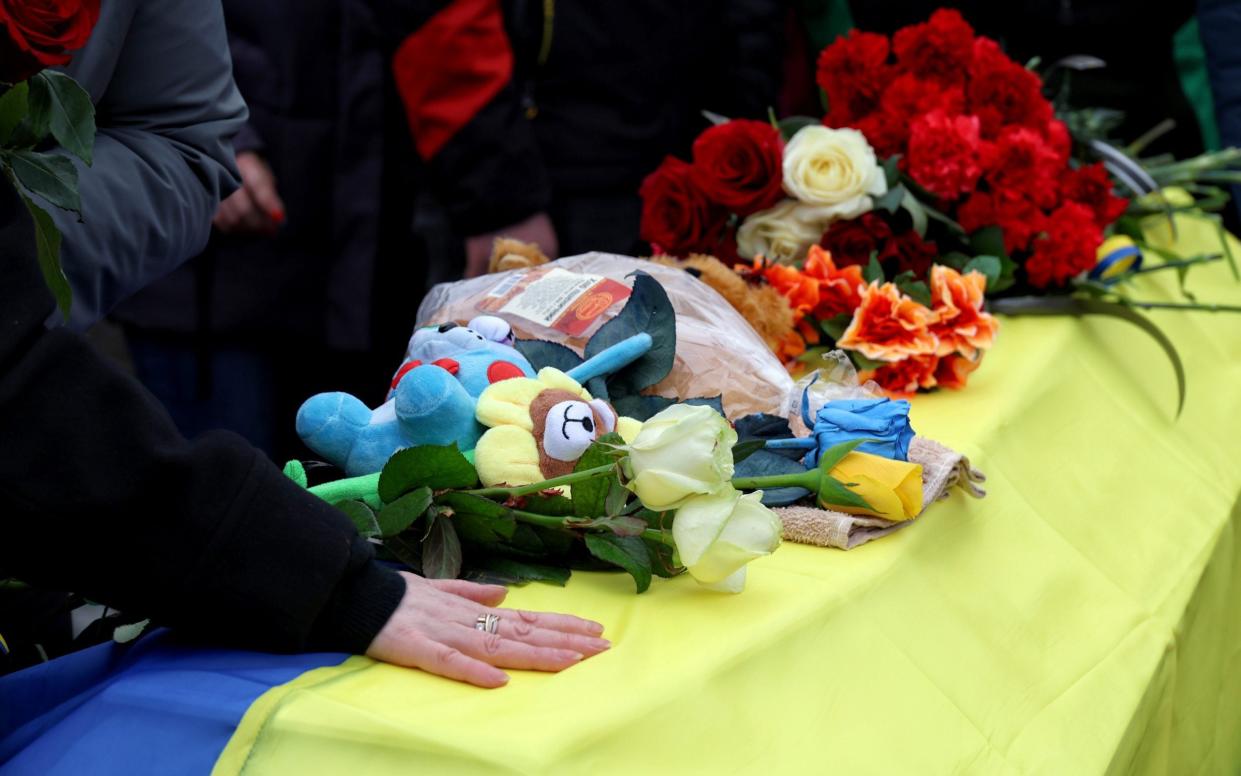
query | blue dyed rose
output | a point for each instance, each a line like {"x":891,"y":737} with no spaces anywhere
{"x":884,"y":420}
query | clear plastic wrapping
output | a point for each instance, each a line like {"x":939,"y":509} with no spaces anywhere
{"x":566,"y":301}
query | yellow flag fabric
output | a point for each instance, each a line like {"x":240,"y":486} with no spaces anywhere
{"x":1085,"y":618}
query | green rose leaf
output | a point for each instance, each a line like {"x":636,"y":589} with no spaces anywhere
{"x":715,"y":402}
{"x":428,"y":466}
{"x":590,"y":496}
{"x":363,"y":517}
{"x":917,"y":213}
{"x":663,"y":557}
{"x":890,"y":200}
{"x":836,"y":325}
{"x":862,"y":362}
{"x":743,"y":450}
{"x":400,"y":514}
{"x":628,"y":552}
{"x":520,"y":571}
{"x":641,"y":407}
{"x":52,"y":177}
{"x":988,"y":266}
{"x":618,"y":497}
{"x":13,"y":108}
{"x":47,"y":248}
{"x":648,"y":310}
{"x":407,"y":550}
{"x":874,"y":271}
{"x":39,"y":112}
{"x":480,"y":519}
{"x":832,"y":493}
{"x":834,"y":454}
{"x":556,"y":506}
{"x":793,"y":124}
{"x":988,"y":241}
{"x":916,"y":290}
{"x":892,"y":169}
{"x":72,"y":115}
{"x":541,"y":353}
{"x":441,"y":551}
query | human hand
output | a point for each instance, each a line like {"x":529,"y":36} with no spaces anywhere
{"x":433,"y":629}
{"x":255,"y":208}
{"x":536,"y":229}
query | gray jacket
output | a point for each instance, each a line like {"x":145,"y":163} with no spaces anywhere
{"x":160,"y":76}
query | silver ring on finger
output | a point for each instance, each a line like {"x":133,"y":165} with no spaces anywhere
{"x":488,"y":623}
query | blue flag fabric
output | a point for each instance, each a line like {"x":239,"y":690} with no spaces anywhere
{"x":157,"y":706}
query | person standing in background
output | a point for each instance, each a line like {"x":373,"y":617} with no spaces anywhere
{"x":574,"y":102}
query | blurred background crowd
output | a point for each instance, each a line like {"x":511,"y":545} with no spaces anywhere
{"x":389,"y":141}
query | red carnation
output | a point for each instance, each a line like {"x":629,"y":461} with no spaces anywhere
{"x":853,"y":242}
{"x":853,"y":72}
{"x":676,"y":216}
{"x":738,"y":165}
{"x":42,"y":33}
{"x":1091,"y":186}
{"x":1022,"y":161}
{"x":939,"y":49}
{"x":944,"y":154}
{"x":908,"y":252}
{"x":1068,"y":248}
{"x":1018,"y":218}
{"x":1002,"y":92}
{"x":886,"y":134}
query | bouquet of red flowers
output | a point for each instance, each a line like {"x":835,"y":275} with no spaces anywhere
{"x":940,"y":175}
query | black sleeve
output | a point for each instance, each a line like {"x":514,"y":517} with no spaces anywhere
{"x":100,"y":495}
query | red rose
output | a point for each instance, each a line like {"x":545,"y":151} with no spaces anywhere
{"x":1018,"y":217}
{"x":853,"y":242}
{"x":1022,"y":161}
{"x":939,"y":49}
{"x":738,"y":165}
{"x":41,"y":33}
{"x":1068,"y":248}
{"x":676,"y":216}
{"x":1091,"y":186}
{"x":853,"y":72}
{"x":908,"y":252}
{"x":945,"y":154}
{"x":1002,"y":92}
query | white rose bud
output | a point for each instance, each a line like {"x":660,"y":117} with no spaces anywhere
{"x":717,"y":534}
{"x":834,"y":170}
{"x":684,"y":451}
{"x":782,"y":233}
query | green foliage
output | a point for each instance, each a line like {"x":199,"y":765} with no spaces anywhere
{"x":915,"y":289}
{"x":71,"y":114}
{"x":441,"y":550}
{"x":51,"y":177}
{"x":402,"y":512}
{"x":47,"y":249}
{"x":648,"y":310}
{"x":426,"y":466}
{"x":590,"y":496}
{"x":510,"y":571}
{"x":363,"y":517}
{"x":13,"y":109}
{"x":541,"y":353}
{"x":793,"y":124}
{"x":831,"y":491}
{"x":873,"y":272}
{"x":743,"y":450}
{"x":479,"y":519}
{"x":628,"y":552}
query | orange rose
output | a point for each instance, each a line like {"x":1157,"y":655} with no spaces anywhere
{"x":904,"y":377}
{"x":838,"y":288}
{"x":888,"y":326}
{"x":954,"y":370}
{"x":957,"y":299}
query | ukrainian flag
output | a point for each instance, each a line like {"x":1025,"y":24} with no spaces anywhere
{"x":154,"y":707}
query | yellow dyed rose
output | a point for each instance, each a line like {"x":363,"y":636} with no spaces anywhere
{"x":892,"y":488}
{"x":681,"y":452}
{"x":835,"y":170}
{"x":782,"y":233}
{"x":716,"y":535}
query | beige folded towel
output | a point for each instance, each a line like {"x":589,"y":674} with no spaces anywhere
{"x":942,"y":469}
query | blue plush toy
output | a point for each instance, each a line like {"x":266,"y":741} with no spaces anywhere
{"x":433,"y":396}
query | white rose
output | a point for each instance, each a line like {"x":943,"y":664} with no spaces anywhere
{"x":834,"y":170}
{"x":716,"y":535}
{"x":782,"y":233}
{"x":684,"y":451}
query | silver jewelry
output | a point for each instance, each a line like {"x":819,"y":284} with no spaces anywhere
{"x":488,"y":623}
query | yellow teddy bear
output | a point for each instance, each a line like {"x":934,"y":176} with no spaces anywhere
{"x":538,"y":428}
